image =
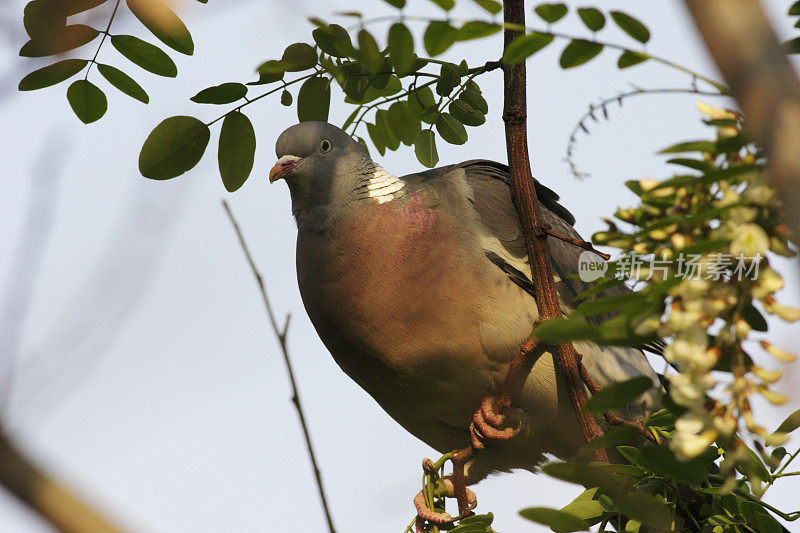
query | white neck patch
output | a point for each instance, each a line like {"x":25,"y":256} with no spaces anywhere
{"x":381,"y":185}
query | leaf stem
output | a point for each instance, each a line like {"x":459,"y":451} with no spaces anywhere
{"x":105,"y":34}
{"x":780,"y":471}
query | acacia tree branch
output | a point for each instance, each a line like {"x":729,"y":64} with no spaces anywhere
{"x":515,"y":117}
{"x":280,"y":333}
{"x":764,"y":84}
{"x":48,"y":498}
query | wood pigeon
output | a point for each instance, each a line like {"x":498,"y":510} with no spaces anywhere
{"x":420,"y":288}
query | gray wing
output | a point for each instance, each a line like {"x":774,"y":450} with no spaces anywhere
{"x":504,"y":242}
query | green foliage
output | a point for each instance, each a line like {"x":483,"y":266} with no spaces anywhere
{"x":123,"y":82}
{"x":551,"y":12}
{"x":237,"y":149}
{"x":163,"y":23}
{"x":631,"y":26}
{"x":618,"y":395}
{"x":173,"y":147}
{"x":45,"y":22}
{"x":148,"y":56}
{"x":578,"y":52}
{"x":87,"y":101}
{"x":224,"y":93}
{"x":58,"y":41}
{"x":559,"y":521}
{"x":51,"y":74}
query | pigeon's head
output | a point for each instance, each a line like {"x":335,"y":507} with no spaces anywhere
{"x":318,"y":161}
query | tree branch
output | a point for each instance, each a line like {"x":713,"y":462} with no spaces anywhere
{"x":747,"y":52}
{"x":281,"y":336}
{"x":45,"y":496}
{"x":515,"y":117}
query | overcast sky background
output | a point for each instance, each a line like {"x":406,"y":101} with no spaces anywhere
{"x":142,"y":367}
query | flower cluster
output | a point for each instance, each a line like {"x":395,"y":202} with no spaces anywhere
{"x":725,"y":209}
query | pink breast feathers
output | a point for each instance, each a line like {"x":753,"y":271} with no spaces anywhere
{"x":417,"y":214}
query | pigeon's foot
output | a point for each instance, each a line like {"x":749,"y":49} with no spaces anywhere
{"x":487,"y":423}
{"x":446,"y":488}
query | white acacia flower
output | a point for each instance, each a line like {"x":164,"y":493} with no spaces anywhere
{"x":760,"y":194}
{"x":777,"y":353}
{"x":688,"y":445}
{"x":768,"y":282}
{"x":789,"y":314}
{"x":749,"y":240}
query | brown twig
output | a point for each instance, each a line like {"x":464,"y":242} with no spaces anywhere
{"x":611,"y":418}
{"x":739,"y":36}
{"x":48,"y":498}
{"x":281,"y":335}
{"x":526,"y":201}
{"x":586,"y":245}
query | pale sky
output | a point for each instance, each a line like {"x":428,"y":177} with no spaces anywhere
{"x":144,"y":372}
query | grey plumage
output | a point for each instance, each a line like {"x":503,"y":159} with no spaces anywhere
{"x":420,"y":288}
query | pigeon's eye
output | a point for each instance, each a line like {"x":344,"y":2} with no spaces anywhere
{"x":324,"y":146}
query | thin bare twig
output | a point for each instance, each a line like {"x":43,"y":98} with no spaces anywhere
{"x":281,"y":333}
{"x":48,"y":498}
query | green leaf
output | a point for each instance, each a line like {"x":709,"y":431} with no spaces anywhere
{"x":370,"y":54}
{"x":425,"y":148}
{"x":420,"y":99}
{"x":314,"y":100}
{"x":51,"y":74}
{"x":149,"y":57}
{"x":40,"y":17}
{"x":629,"y":59}
{"x":123,"y":82}
{"x":286,"y":98}
{"x":298,"y":57}
{"x":58,"y":41}
{"x":464,"y":113}
{"x":403,"y":122}
{"x":551,"y":12}
{"x":792,"y":46}
{"x":451,"y":129}
{"x":662,"y":461}
{"x":438,"y":37}
{"x":754,"y":318}
{"x":524,"y":46}
{"x":557,"y":520}
{"x":399,"y":4}
{"x":474,"y":99}
{"x":163,"y":23}
{"x":617,"y":395}
{"x":490,"y":6}
{"x":237,"y":150}
{"x":592,"y":18}
{"x":87,"y":101}
{"x":631,"y":26}
{"x":578,"y":52}
{"x":375,"y":137}
{"x":401,"y":48}
{"x":447,"y":5}
{"x":173,"y":147}
{"x":334,"y":40}
{"x":476,"y":29}
{"x":386,"y":132}
{"x":791,"y":423}
{"x":691,"y":146}
{"x":224,"y":93}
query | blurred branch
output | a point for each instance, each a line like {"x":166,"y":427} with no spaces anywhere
{"x":747,"y":52}
{"x":45,"y":496}
{"x":280,"y":333}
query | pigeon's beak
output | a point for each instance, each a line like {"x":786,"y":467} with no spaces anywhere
{"x":283,"y":166}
